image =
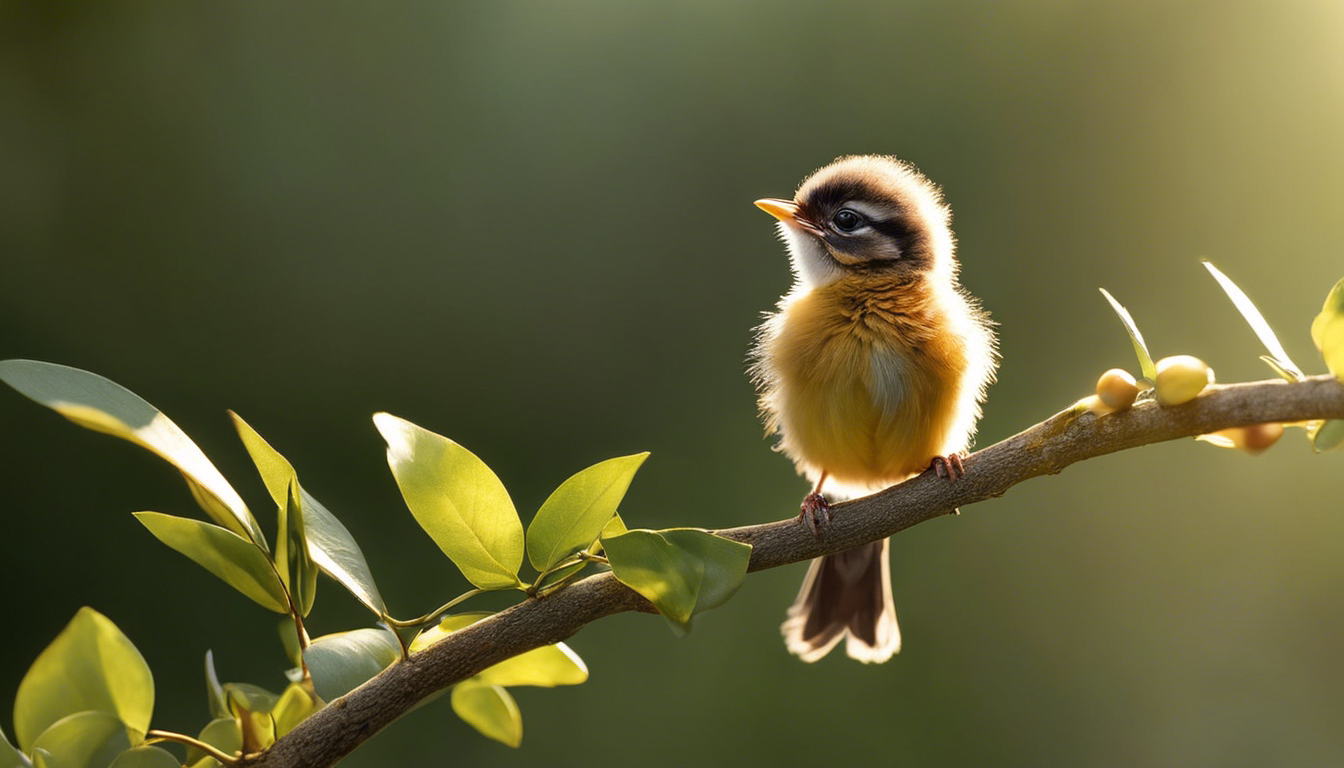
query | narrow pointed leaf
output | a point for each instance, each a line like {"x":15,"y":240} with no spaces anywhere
{"x":219,"y":703}
{"x":1140,"y":348}
{"x":89,"y":739}
{"x":99,"y":404}
{"x":342,"y":662}
{"x":146,"y":757}
{"x":90,"y":665}
{"x":1280,"y":368}
{"x":1257,"y":322}
{"x":575,"y":513}
{"x":489,"y":709}
{"x":459,"y":502}
{"x":223,"y":553}
{"x":299,"y":564}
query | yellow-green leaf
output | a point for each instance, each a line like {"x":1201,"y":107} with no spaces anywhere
{"x":1140,"y":347}
{"x":9,"y":756}
{"x":223,"y":553}
{"x":90,"y":665}
{"x":146,"y":757}
{"x":575,"y":513}
{"x":88,"y":739}
{"x":459,"y":502}
{"x":682,"y":571}
{"x":222,"y":733}
{"x":343,"y":661}
{"x":545,"y":667}
{"x":102,"y":405}
{"x":1327,"y":330}
{"x":219,"y":703}
{"x":295,"y":559}
{"x":489,"y":709}
{"x":297,"y":702}
{"x":446,"y":626}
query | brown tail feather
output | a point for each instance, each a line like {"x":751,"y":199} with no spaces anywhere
{"x":848,"y":593}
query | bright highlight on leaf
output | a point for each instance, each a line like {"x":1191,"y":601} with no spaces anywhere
{"x":1327,"y":330}
{"x":1278,"y":359}
{"x":574,"y":515}
{"x":1140,"y":348}
{"x":489,"y":709}
{"x":343,"y":661}
{"x":682,"y":571}
{"x":96,"y":403}
{"x":459,"y":502}
{"x":330,"y":544}
{"x":223,"y":553}
{"x":90,"y":665}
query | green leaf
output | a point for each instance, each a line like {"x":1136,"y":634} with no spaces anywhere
{"x":222,"y":552}
{"x":90,"y":665}
{"x":9,"y":756}
{"x":1327,"y":330}
{"x":1140,"y":348}
{"x":295,"y":705}
{"x":682,"y":571}
{"x":1278,"y":359}
{"x":219,"y":703}
{"x":291,"y":549}
{"x":96,"y":403}
{"x":342,"y":662}
{"x":222,"y":733}
{"x":146,"y":757}
{"x":458,"y":501}
{"x":42,"y":759}
{"x":86,"y":739}
{"x":489,"y":709}
{"x":1327,"y":436}
{"x":574,"y":515}
{"x":330,"y":544}
{"x":545,"y":667}
{"x":446,"y":626}
{"x":251,"y":707}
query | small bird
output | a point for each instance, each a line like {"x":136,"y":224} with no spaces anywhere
{"x":872,"y":369}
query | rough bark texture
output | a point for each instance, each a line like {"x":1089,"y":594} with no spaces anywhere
{"x":1047,"y":448}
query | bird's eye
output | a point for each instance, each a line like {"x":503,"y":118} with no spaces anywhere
{"x":846,"y":220}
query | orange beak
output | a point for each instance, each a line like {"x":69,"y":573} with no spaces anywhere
{"x":784,"y":210}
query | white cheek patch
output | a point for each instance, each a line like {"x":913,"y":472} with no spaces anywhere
{"x":812,"y":265}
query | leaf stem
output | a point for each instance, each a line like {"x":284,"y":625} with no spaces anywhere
{"x":180,"y":738}
{"x":434,"y":614}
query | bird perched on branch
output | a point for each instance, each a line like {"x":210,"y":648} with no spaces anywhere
{"x":872,"y":370}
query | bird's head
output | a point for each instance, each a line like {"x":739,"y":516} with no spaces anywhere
{"x":867,"y":215}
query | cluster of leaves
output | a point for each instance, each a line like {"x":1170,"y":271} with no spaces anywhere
{"x":1327,"y":332}
{"x":77,"y":690}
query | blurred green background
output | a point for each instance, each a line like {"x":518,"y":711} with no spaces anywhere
{"x":528,"y":226}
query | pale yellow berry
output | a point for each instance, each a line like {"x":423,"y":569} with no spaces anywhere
{"x":1180,"y":378}
{"x":1116,"y":389}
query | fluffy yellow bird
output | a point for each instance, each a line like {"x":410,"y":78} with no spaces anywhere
{"x":872,"y":369}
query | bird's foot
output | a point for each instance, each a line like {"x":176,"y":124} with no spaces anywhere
{"x":949,"y":466}
{"x":815,"y":511}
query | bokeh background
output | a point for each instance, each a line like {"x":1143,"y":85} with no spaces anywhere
{"x":528,"y":226}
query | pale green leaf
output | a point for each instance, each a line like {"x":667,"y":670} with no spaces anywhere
{"x":459,"y":502}
{"x":222,"y":733}
{"x":223,"y":553}
{"x":546,"y":667}
{"x":1281,"y":362}
{"x":1327,"y":330}
{"x":246,"y":697}
{"x":42,"y":759}
{"x":88,"y":739}
{"x":90,"y":665}
{"x":490,"y":710}
{"x":1140,"y":348}
{"x":446,"y":626}
{"x":96,"y":403}
{"x":575,"y":513}
{"x":9,"y":756}
{"x":219,"y":703}
{"x":342,"y":662}
{"x":682,"y":571}
{"x":146,"y":757}
{"x":1328,"y":436}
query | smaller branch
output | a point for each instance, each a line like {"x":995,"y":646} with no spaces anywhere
{"x":434,"y":614}
{"x":153,"y":736}
{"x":1047,"y":448}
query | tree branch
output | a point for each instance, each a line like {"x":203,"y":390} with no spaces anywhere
{"x":1047,"y":448}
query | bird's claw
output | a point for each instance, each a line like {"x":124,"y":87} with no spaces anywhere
{"x":815,"y":511}
{"x":949,"y":466}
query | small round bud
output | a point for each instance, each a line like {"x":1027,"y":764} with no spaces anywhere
{"x":1116,"y":389}
{"x":1252,"y":439}
{"x":1180,"y":378}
